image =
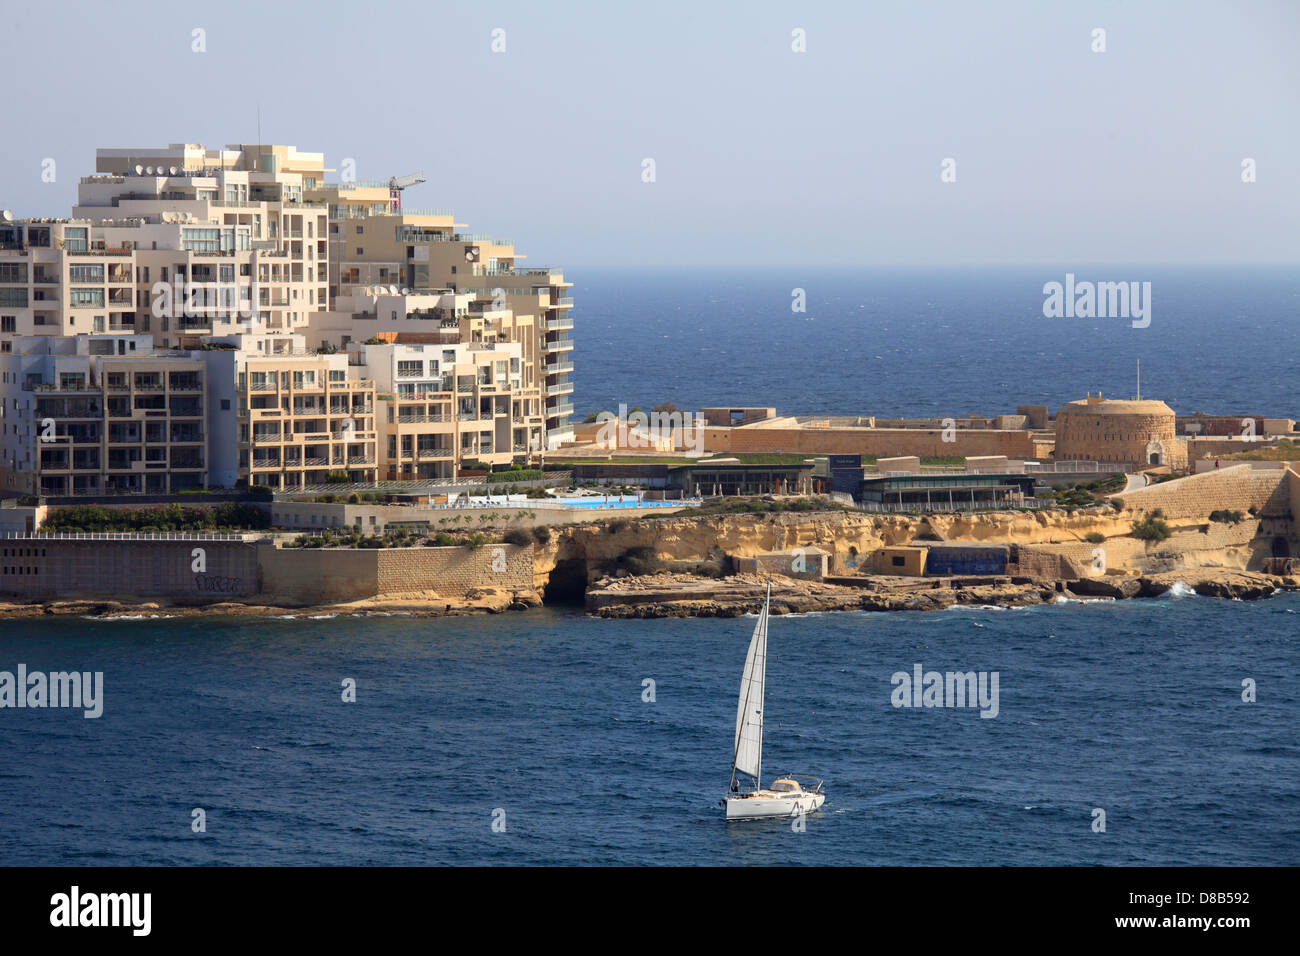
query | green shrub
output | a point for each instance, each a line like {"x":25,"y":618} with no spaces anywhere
{"x":517,"y":536}
{"x":1094,"y":537}
{"x":226,"y":516}
{"x":354,"y":499}
{"x":516,"y":474}
{"x":1151,"y":529}
{"x":640,"y":561}
{"x":1224,"y":516}
{"x":541,"y":534}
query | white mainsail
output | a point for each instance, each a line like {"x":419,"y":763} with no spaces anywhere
{"x":749,"y":712}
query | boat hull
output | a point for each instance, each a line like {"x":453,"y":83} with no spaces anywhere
{"x":765,"y":804}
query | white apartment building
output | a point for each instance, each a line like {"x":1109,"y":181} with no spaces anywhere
{"x":242,"y":267}
{"x":91,"y":415}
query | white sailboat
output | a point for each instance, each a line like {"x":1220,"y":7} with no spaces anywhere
{"x":786,"y":797}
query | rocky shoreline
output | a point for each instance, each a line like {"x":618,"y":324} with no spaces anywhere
{"x":678,"y":595}
{"x":688,"y":595}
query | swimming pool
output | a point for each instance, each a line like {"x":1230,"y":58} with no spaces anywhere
{"x":616,"y":501}
{"x":575,"y":501}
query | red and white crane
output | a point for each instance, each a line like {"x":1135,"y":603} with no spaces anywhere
{"x":395,"y":186}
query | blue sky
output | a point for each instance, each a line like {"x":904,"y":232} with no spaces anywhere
{"x":763,"y":156}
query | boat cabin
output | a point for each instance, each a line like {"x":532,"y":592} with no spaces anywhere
{"x":785,"y":785}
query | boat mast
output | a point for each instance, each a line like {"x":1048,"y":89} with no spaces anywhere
{"x":762,"y":704}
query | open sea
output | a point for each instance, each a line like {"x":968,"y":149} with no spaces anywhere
{"x":537,"y":718}
{"x":916,"y":343}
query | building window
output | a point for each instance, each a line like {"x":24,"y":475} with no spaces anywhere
{"x":82,"y":297}
{"x":84,"y":273}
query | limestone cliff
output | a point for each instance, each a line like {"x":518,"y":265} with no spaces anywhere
{"x":849,"y":536}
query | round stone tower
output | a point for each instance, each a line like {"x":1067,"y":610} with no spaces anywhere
{"x":1109,"y":430}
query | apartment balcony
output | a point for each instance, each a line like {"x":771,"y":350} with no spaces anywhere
{"x":429,"y":454}
{"x":562,"y":388}
{"x":559,"y":411}
{"x":557,"y":345}
{"x":69,"y":387}
{"x":557,"y":368}
{"x":361,"y":459}
{"x":559,"y":325}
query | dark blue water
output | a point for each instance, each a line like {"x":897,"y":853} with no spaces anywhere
{"x":931,"y":343}
{"x":1132,"y":707}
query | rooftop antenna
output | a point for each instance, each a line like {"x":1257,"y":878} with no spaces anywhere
{"x":257,"y":158}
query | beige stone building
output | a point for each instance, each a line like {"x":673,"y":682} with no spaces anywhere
{"x":445,"y":403}
{"x":423,"y":250}
{"x":305,"y":418}
{"x":1137,"y":432}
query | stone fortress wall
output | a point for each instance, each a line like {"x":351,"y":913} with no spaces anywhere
{"x":68,"y":569}
{"x":53,"y":569}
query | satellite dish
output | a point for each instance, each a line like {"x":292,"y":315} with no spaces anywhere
{"x":392,"y":290}
{"x":173,"y":170}
{"x":405,"y":291}
{"x":6,"y":215}
{"x":139,"y":170}
{"x":149,"y":170}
